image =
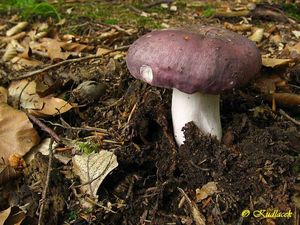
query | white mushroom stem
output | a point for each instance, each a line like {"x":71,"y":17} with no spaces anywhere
{"x":202,"y":109}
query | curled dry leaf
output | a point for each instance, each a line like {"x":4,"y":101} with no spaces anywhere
{"x":285,"y":99}
{"x":237,"y":27}
{"x":16,"y":29}
{"x":23,"y":92}
{"x":9,"y":53}
{"x":102,"y":51}
{"x":4,"y":215}
{"x":93,"y":168}
{"x":7,"y":173}
{"x":51,"y":107}
{"x":14,"y":37}
{"x":258,"y":35}
{"x":268,"y":84}
{"x":274,"y":63}
{"x":58,"y":49}
{"x":16,"y":132}
{"x":20,"y":63}
{"x":3,"y":95}
{"x":294,"y":51}
{"x":12,"y":216}
{"x":206,"y":190}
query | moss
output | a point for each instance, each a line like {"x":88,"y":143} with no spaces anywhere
{"x":292,"y":10}
{"x":110,"y":14}
{"x":208,"y":10}
{"x":88,"y":147}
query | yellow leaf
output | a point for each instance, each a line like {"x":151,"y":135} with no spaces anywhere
{"x":4,"y":215}
{"x":274,"y":63}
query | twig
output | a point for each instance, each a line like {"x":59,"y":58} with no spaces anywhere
{"x":32,"y":73}
{"x":157,"y":3}
{"x":44,"y":194}
{"x":283,"y":113}
{"x":197,"y":215}
{"x":48,"y":130}
{"x":76,"y":128}
{"x":99,"y":205}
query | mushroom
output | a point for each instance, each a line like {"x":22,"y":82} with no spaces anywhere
{"x":198,"y":66}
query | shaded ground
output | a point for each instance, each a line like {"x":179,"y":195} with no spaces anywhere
{"x":255,"y":166}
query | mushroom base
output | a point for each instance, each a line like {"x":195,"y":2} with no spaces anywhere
{"x":202,"y":109}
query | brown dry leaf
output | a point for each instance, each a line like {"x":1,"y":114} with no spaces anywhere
{"x":237,"y":27}
{"x":20,"y":63}
{"x":16,"y":132}
{"x":206,"y":190}
{"x":51,"y":107}
{"x":14,"y":37}
{"x":102,"y":51}
{"x":3,"y":95}
{"x":30,"y":100}
{"x":93,"y":168}
{"x":58,"y":49}
{"x":4,"y":215}
{"x":257,"y":35}
{"x":53,"y":48}
{"x":16,"y":29}
{"x":286,"y":99}
{"x":12,"y":216}
{"x":76,"y":47}
{"x":294,"y":50}
{"x":268,"y":84}
{"x":9,"y":53}
{"x":27,"y":90}
{"x":274,"y":63}
{"x":7,"y":173}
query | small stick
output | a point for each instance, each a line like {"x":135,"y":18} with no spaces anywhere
{"x":197,"y":215}
{"x":48,"y":130}
{"x":157,"y":3}
{"x":44,"y":194}
{"x":283,"y":113}
{"x":30,"y":74}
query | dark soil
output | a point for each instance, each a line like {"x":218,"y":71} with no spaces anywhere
{"x":254,"y":167}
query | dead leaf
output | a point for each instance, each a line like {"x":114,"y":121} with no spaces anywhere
{"x":57,"y":49}
{"x":296,"y":33}
{"x":51,"y":107}
{"x":274,"y":63}
{"x":24,"y":93}
{"x":16,"y":29}
{"x":7,"y":173}
{"x":268,"y":84}
{"x":9,"y":53}
{"x":3,"y":95}
{"x":285,"y":99}
{"x":102,"y":51}
{"x":15,"y":216}
{"x":93,"y":168}
{"x":14,"y":37}
{"x":16,"y":132}
{"x":4,"y":215}
{"x":237,"y":27}
{"x":206,"y":190}
{"x":257,"y":35}
{"x":20,"y":63}
{"x":294,"y":51}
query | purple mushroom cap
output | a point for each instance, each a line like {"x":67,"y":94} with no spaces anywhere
{"x":210,"y":61}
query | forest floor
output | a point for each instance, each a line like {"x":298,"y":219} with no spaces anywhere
{"x":114,"y":159}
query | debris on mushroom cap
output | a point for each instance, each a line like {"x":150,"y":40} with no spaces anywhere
{"x":210,"y":60}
